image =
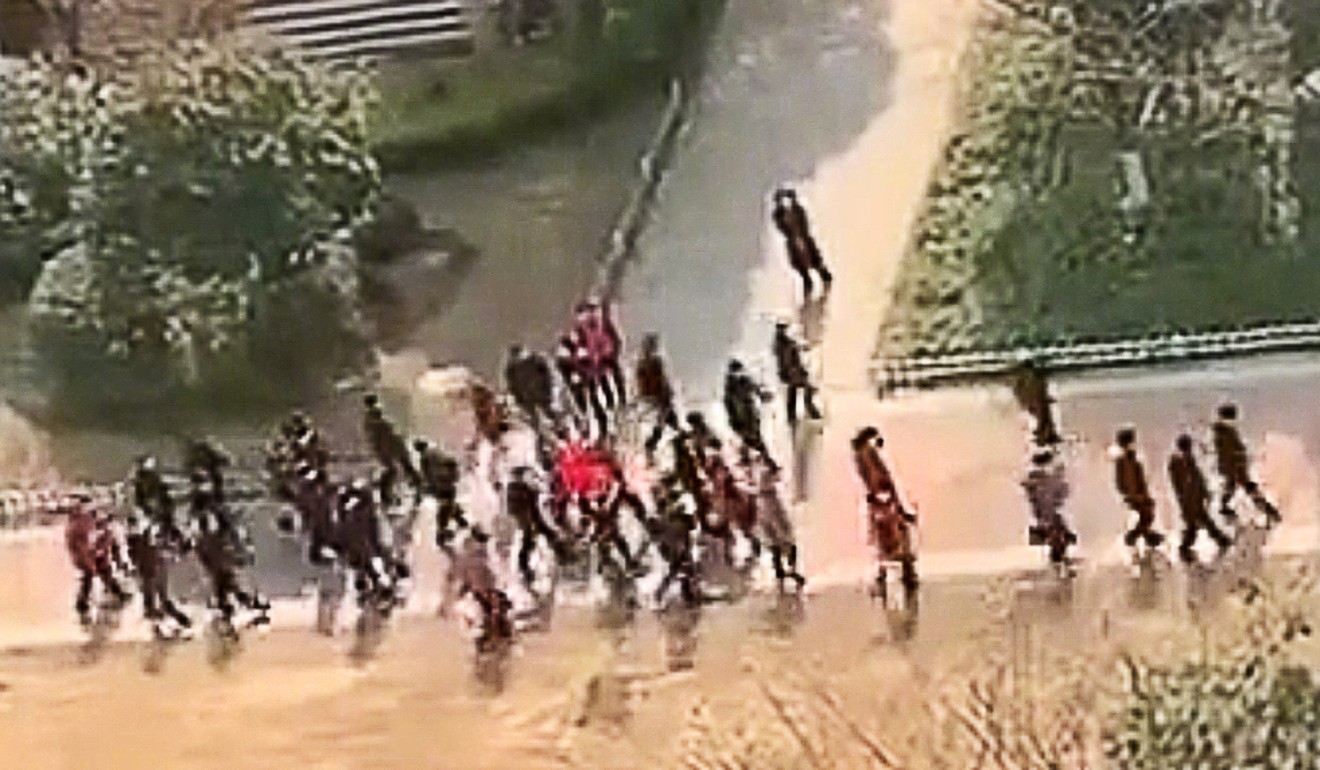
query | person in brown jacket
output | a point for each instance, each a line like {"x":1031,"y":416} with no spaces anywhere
{"x":1130,"y":479}
{"x":654,"y":390}
{"x":1193,"y":496}
{"x":1234,"y":467}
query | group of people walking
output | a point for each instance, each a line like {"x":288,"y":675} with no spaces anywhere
{"x":701,"y":497}
{"x":1047,"y":489}
{"x":145,"y":544}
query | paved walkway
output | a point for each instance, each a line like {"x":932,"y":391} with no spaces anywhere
{"x":958,"y":453}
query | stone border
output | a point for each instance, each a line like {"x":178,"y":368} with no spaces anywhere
{"x":654,"y":166}
{"x":955,"y":368}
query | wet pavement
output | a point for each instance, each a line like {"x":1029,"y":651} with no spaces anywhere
{"x":789,"y":85}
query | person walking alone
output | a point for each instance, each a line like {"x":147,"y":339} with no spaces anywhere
{"x":804,"y":254}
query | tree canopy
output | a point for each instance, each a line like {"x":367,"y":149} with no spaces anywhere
{"x":170,"y":206}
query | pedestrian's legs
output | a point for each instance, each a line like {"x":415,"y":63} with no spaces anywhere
{"x":1226,"y":495}
{"x":813,"y":409}
{"x":1142,"y":530}
{"x":1146,"y":523}
{"x":1259,"y":500}
{"x":826,"y":276}
{"x":83,"y":603}
{"x":807,"y":284}
{"x":1191,"y":528}
{"x":603,"y":384}
{"x":160,"y":596}
{"x":525,"y":548}
{"x":615,"y":373}
{"x":791,"y":401}
{"x":107,"y":575}
{"x":599,"y":410}
{"x":577,"y":390}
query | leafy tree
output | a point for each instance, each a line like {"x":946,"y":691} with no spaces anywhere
{"x":185,"y":200}
{"x":1242,"y":704}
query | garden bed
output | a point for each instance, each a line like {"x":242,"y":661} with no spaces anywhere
{"x":1005,"y":264}
{"x":445,"y":113}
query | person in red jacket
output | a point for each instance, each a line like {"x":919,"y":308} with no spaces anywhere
{"x":93,"y":547}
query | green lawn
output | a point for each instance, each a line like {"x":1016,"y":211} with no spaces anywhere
{"x":1057,"y":268}
{"x":444,"y":112}
{"x":1061,"y":269}
{"x":454,"y":111}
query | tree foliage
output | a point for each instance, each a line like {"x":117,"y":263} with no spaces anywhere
{"x":171,"y":202}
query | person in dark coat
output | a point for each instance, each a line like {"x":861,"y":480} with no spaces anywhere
{"x":221,"y":548}
{"x":440,"y":477}
{"x":1031,"y":389}
{"x":528,"y":379}
{"x":570,"y":361}
{"x":742,"y":404}
{"x":793,"y":374}
{"x":655,"y":390}
{"x":804,"y":254}
{"x":1235,"y":468}
{"x":1130,"y":480}
{"x":152,"y":496}
{"x":523,"y":502}
{"x":205,"y":457}
{"x":388,"y":447}
{"x":1193,"y":496}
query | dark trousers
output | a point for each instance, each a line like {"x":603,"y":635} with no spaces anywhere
{"x":538,"y":413}
{"x":225,"y":584}
{"x":600,"y":404}
{"x":532,"y":528}
{"x":750,"y":434}
{"x":104,"y":573}
{"x":680,"y":567}
{"x":805,"y":392}
{"x":1239,"y":479}
{"x":665,"y":417}
{"x":156,"y":601}
{"x":154,"y":582}
{"x":449,"y":520}
{"x":783,"y":557}
{"x":1144,"y":529}
{"x":1196,"y":519}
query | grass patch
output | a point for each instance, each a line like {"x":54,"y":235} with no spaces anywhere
{"x":1064,"y":271}
{"x":1024,"y":238}
{"x":446,"y":113}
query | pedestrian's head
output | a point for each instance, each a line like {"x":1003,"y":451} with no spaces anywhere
{"x":1042,"y":457}
{"x":1228,"y":412}
{"x":1184,"y":443}
{"x":371,"y":401}
{"x":421,"y":445}
{"x":865,"y":436}
{"x":1126,"y":437}
{"x":781,"y":194}
{"x":735,"y":366}
{"x":479,"y":535}
{"x":696,"y":420}
{"x":781,"y":326}
{"x":651,"y":343}
{"x":515,"y":351}
{"x":147,"y":463}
